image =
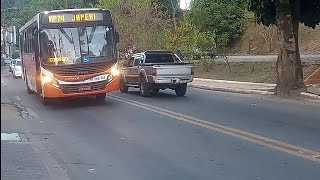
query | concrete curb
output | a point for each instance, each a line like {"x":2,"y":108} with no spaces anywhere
{"x":234,"y":82}
{"x":310,"y":96}
{"x":242,"y":91}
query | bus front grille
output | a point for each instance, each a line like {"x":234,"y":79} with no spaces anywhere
{"x":87,"y":87}
{"x":80,"y":69}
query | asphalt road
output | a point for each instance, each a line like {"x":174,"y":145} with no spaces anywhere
{"x":204,"y":135}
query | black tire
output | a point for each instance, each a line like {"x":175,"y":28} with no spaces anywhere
{"x":144,"y":88}
{"x":100,"y":98}
{"x":29,"y":91}
{"x":181,"y":89}
{"x":123,"y":87}
{"x":156,"y":90}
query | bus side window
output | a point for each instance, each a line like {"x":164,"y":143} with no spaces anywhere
{"x":25,"y":42}
{"x":35,"y":41}
{"x":21,"y":43}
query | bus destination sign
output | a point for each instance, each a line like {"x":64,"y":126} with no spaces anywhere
{"x":79,"y":17}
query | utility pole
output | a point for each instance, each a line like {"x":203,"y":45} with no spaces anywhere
{"x":4,"y":33}
{"x":3,"y":40}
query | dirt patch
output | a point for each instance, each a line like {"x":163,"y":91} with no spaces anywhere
{"x":258,"y":39}
{"x":259,"y":72}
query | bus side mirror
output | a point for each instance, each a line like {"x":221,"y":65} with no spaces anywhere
{"x":116,"y":37}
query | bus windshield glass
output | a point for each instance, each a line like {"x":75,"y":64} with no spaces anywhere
{"x":76,"y":45}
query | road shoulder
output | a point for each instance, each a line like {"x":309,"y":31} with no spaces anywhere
{"x":243,"y":87}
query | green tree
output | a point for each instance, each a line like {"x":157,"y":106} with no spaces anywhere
{"x":90,"y":3}
{"x":139,"y":22}
{"x":287,"y":14}
{"x":171,"y":8}
{"x":187,"y":38}
{"x":223,"y":17}
{"x":168,"y":5}
{"x":24,"y":10}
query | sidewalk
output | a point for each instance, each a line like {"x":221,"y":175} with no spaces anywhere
{"x":233,"y":86}
{"x":242,"y":87}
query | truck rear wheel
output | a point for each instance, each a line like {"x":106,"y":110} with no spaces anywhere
{"x":144,"y":89}
{"x":181,"y":89}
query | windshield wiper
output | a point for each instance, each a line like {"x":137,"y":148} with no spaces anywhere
{"x":91,"y":34}
{"x":65,"y":34}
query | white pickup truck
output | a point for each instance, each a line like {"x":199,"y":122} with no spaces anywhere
{"x":151,"y":71}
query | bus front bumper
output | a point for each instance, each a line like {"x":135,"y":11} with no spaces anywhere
{"x":52,"y":91}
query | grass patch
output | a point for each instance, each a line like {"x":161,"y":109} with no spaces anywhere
{"x":259,"y":72}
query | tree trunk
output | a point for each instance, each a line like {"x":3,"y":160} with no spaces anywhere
{"x":288,"y":66}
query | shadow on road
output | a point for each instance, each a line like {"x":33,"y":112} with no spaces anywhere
{"x":76,"y":102}
{"x":161,"y":94}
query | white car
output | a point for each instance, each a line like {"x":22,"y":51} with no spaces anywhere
{"x":11,"y":65}
{"x":16,"y":69}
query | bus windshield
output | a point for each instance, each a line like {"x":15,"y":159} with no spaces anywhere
{"x":76,"y":45}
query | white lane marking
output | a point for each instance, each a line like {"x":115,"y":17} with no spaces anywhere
{"x":10,"y":137}
{"x":18,"y":98}
{"x":32,"y":113}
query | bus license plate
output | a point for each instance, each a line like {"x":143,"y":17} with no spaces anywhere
{"x":84,"y":88}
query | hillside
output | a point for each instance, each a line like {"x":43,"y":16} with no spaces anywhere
{"x":258,"y":39}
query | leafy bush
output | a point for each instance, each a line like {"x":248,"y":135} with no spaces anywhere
{"x":189,"y":40}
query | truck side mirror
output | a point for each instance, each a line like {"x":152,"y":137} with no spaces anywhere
{"x":116,"y":37}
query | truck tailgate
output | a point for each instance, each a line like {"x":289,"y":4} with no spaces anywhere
{"x":173,"y":70}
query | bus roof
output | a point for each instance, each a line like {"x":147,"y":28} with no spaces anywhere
{"x":35,"y":18}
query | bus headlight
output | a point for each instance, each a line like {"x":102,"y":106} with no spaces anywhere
{"x":48,"y":79}
{"x":115,"y":72}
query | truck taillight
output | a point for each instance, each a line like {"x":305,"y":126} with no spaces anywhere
{"x":154,"y":72}
{"x":192,"y":70}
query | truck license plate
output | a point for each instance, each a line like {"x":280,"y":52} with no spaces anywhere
{"x":84,"y":88}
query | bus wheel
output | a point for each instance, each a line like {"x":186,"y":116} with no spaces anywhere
{"x":100,"y":98}
{"x":29,"y":91}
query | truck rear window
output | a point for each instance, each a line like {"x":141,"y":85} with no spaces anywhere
{"x":159,"y":58}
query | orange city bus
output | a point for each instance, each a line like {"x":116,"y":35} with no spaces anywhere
{"x":71,"y":52}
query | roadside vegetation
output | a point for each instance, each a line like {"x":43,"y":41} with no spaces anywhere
{"x":210,"y":28}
